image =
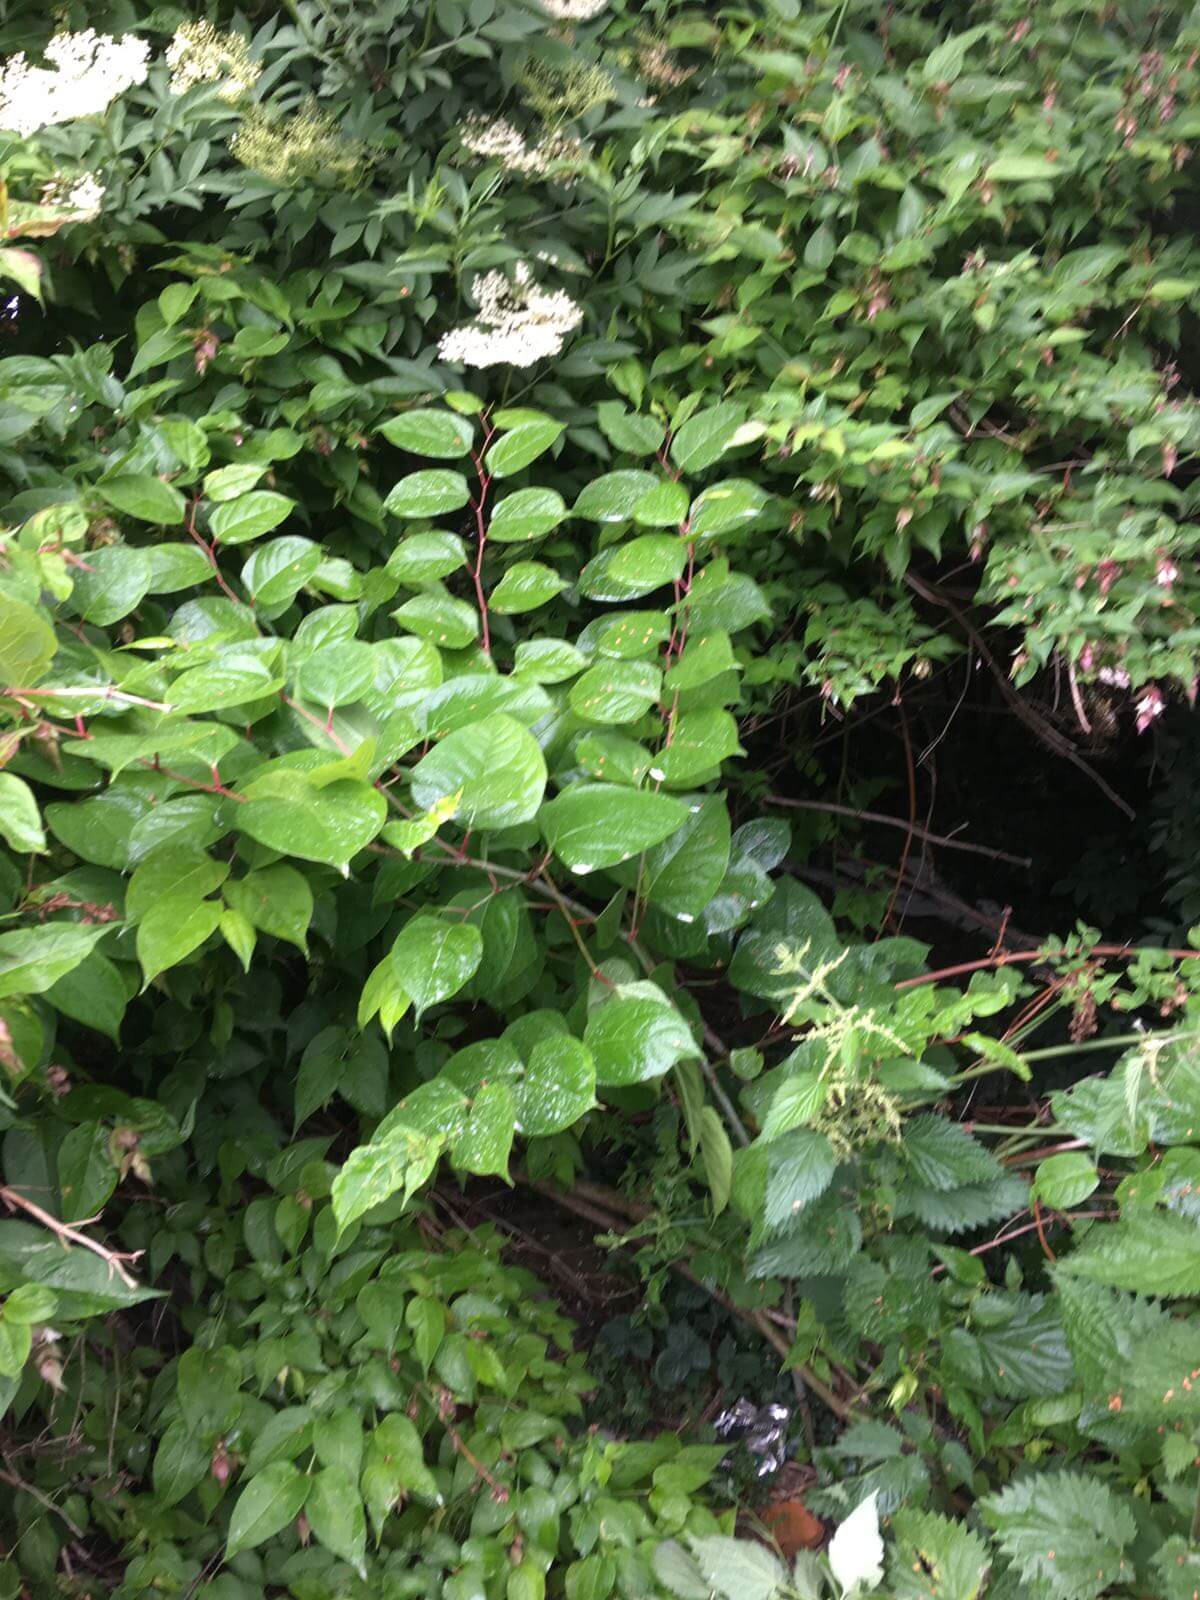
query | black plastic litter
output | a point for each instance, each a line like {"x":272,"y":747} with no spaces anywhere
{"x":762,"y":1429}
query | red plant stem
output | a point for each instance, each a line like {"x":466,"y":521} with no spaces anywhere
{"x":1006,"y":957}
{"x":211,"y":554}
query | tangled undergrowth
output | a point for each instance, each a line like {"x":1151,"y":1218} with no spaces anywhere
{"x":598,"y":595}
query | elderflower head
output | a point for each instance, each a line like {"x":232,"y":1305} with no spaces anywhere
{"x":200,"y":54}
{"x":516,"y":325}
{"x":499,"y":139}
{"x":82,"y":196}
{"x":89,"y":70}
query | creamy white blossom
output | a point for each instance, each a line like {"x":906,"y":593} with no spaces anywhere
{"x":82,"y":196}
{"x":517,"y":323}
{"x":573,"y":10}
{"x":499,"y":140}
{"x":87,"y":72}
{"x":199,"y":53}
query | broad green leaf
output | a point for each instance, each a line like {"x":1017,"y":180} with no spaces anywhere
{"x":934,"y":1558}
{"x":148,"y":499}
{"x":335,"y":1514}
{"x":637,"y":567}
{"x":526,"y":514}
{"x":168,"y":934}
{"x":615,"y":691}
{"x":231,"y":482}
{"x":593,"y":825}
{"x":494,"y":766}
{"x":558,"y":1086}
{"x":32,"y":959}
{"x":277,"y":900}
{"x":665,"y":506}
{"x":181,"y":1462}
{"x":484,"y":1144}
{"x":249,"y":516}
{"x":633,"y":434}
{"x":705,"y":437}
{"x":521,"y":445}
{"x":395,"y":1466}
{"x":1024,"y":169}
{"x":548,"y":660}
{"x":700,"y":742}
{"x":724,"y":507}
{"x":87,"y":1174}
{"x":634,"y":1037}
{"x":615,"y":496}
{"x":208,"y":1386}
{"x":433,"y":958}
{"x":338,"y":1438}
{"x":173,"y":870}
{"x":426,"y":557}
{"x":442,"y":435}
{"x":331,"y":824}
{"x":111,"y":584}
{"x":525,"y":586}
{"x":1066,"y":1530}
{"x":20,"y":819}
{"x":276,"y":572}
{"x":27,"y":644}
{"x":266,"y":1505}
{"x":450,"y":623}
{"x":376,"y":1171}
{"x":428,"y":493}
{"x":717,"y":1155}
{"x":737,"y":1569}
{"x":1066,"y":1180}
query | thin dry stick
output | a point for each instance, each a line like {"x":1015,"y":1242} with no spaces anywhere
{"x":67,"y":1232}
{"x":14,"y":1482}
{"x":898,"y":822}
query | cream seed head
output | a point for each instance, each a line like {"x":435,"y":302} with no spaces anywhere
{"x":199,"y":53}
{"x":88,"y":71}
{"x":517,"y":323}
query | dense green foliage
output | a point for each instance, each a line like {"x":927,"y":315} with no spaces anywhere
{"x":457,"y":456}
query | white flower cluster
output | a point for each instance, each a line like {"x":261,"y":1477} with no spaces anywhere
{"x":82,"y":196}
{"x":200,"y":54}
{"x":516,"y":325}
{"x":89,"y":70}
{"x":501,"y":141}
{"x":572,"y":10}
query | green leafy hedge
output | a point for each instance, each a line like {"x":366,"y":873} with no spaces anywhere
{"x":437,"y":440}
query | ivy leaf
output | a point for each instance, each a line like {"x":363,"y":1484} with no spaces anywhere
{"x":266,"y":1505}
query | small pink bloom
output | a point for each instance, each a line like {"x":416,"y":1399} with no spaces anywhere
{"x":1166,"y":572}
{"x":1149,"y":708}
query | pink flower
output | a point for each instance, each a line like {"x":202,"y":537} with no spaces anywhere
{"x":1166,"y":573}
{"x":1149,"y":708}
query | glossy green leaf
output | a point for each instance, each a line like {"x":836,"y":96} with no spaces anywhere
{"x":433,"y":958}
{"x":428,"y":493}
{"x":442,"y":435}
{"x":146,"y":498}
{"x":495,"y":767}
{"x":592,"y":825}
{"x":249,"y":516}
{"x":521,"y":445}
{"x":266,"y":1505}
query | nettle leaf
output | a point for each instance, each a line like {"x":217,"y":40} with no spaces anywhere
{"x":495,"y":768}
{"x":934,"y":1558}
{"x":1152,"y":1254}
{"x":737,"y":1569}
{"x":1065,"y":1530}
{"x":433,"y":958}
{"x":593,"y":825}
{"x":441,"y":434}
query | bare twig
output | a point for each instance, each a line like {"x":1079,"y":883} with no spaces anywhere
{"x":68,"y":1233}
{"x":898,"y":822}
{"x":14,"y":1482}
